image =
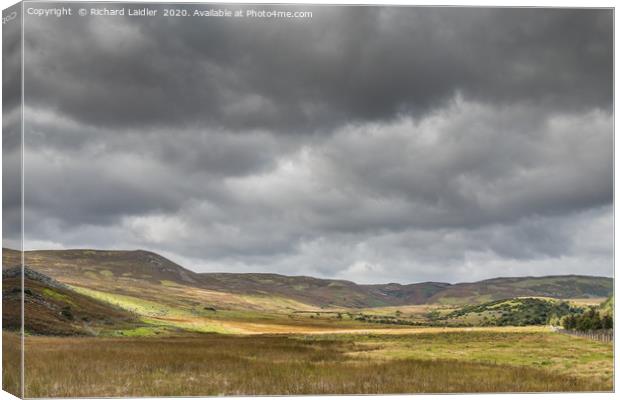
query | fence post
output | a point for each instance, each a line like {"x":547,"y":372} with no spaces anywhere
{"x":600,"y":335}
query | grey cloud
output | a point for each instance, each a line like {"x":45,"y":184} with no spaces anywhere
{"x":366,"y":143}
{"x":345,"y":64}
{"x":468,"y":178}
{"x":11,"y":129}
{"x":467,"y":166}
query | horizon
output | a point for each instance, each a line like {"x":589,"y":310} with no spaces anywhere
{"x":311,"y":276}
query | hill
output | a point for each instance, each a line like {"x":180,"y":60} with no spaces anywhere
{"x":149,"y":276}
{"x":415,"y":293}
{"x":52,"y":308}
{"x":323,"y":293}
{"x":88,"y":265}
{"x":97,"y":269}
{"x":520,"y":311}
{"x":558,"y":287}
{"x":309,"y":290}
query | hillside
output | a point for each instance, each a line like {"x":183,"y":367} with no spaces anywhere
{"x":415,"y":293}
{"x":53,"y":308}
{"x":314,"y":291}
{"x":149,"y":276}
{"x":509,"y":312}
{"x":559,"y":287}
{"x":78,"y":266}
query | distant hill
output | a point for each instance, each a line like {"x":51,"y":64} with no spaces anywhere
{"x":318,"y":292}
{"x":156,"y":276}
{"x":415,"y":293}
{"x":559,"y":287}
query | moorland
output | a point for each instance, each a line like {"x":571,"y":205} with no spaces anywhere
{"x":133,"y":323}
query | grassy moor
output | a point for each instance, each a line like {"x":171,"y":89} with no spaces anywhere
{"x":179,"y":333}
{"x":212,"y":364}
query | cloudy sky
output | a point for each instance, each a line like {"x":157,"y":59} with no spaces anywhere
{"x":366,"y":143}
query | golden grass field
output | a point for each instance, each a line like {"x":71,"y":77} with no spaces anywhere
{"x":410,"y":360}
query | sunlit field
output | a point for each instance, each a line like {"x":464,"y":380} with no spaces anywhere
{"x":431,"y":361}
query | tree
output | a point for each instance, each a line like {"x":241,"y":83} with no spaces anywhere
{"x":607,"y":322}
{"x":554,"y":320}
{"x":584,"y":323}
{"x":569,"y":321}
{"x":590,"y":319}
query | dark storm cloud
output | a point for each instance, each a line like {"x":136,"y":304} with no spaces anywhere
{"x":11,"y":128}
{"x":371,"y":144}
{"x":11,"y":61}
{"x":345,"y":64}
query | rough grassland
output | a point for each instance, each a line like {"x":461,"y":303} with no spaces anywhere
{"x":11,"y":363}
{"x":557,"y":353}
{"x":213,"y":364}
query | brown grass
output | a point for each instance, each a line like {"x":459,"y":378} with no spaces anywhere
{"x":11,"y":363}
{"x":255,"y":365}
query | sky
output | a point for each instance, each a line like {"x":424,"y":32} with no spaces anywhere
{"x":372,"y":144}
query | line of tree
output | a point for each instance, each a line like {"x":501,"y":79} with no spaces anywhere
{"x":590,"y":320}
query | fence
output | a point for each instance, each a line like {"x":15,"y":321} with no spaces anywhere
{"x":602,"y":335}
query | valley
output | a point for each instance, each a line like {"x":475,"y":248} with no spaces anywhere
{"x":316,"y":335}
